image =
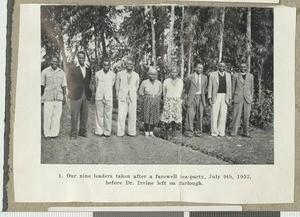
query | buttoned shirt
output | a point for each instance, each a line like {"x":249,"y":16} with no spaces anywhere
{"x":83,"y":71}
{"x":198,"y":83}
{"x":53,"y":81}
{"x":104,"y":84}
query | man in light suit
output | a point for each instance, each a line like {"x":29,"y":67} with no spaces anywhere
{"x":195,"y":89}
{"x":127,"y":84}
{"x":105,"y":80}
{"x":78,"y":81}
{"x":242,"y":90}
{"x":219,"y":96}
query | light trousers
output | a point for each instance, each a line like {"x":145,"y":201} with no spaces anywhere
{"x":238,"y":109}
{"x":127,"y":107}
{"x":52,"y":114}
{"x":103,"y":117}
{"x":218,"y":115}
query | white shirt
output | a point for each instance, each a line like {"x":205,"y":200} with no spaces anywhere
{"x":198,"y":77}
{"x":104,"y":83}
{"x":172,"y":89}
{"x":83,"y":71}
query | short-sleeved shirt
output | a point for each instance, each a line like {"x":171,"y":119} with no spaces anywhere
{"x":149,"y":88}
{"x":173,"y":88}
{"x":105,"y":83}
{"x":53,"y":82}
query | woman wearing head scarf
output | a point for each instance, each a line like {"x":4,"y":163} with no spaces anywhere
{"x":172,"y":92}
{"x":150,"y":90}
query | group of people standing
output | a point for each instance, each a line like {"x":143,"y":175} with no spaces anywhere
{"x":219,"y":89}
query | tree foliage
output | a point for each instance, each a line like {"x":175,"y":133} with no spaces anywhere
{"x":165,"y":36}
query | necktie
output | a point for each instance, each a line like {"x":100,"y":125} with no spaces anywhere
{"x":198,"y":89}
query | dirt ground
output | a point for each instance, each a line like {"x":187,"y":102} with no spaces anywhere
{"x":140,"y":150}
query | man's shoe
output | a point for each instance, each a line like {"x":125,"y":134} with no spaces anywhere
{"x":73,"y":136}
{"x":131,"y":135}
{"x":188,"y":134}
{"x":107,"y":136}
{"x":83,"y":135}
{"x":151,"y":134}
{"x":233,"y":134}
{"x":246,"y":135}
{"x":198,"y":134}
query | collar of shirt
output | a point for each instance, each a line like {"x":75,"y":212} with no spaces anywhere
{"x":221,"y":73}
{"x":243,"y":73}
{"x":85,"y":65}
{"x":56,"y":70}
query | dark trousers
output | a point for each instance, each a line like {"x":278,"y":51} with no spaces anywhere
{"x":196,"y":109}
{"x":238,"y":109}
{"x":79,"y":110}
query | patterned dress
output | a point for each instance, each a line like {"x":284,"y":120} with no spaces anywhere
{"x":172,"y":110}
{"x":150,"y":107}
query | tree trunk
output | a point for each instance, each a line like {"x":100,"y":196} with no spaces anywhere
{"x":153,"y":38}
{"x":52,"y":29}
{"x":182,"y":44}
{"x":259,"y":80}
{"x":190,"y":56}
{"x":221,"y":34}
{"x":249,"y":40}
{"x":170,"y":38}
{"x":103,"y":44}
{"x":96,"y":48}
{"x":162,"y":62}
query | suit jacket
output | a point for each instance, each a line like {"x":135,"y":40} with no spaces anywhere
{"x":242,"y":89}
{"x":213,"y":87}
{"x":77,"y":83}
{"x":190,"y":88}
{"x":122,"y":87}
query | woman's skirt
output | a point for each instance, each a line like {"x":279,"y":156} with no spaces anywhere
{"x":150,"y":110}
{"x":172,"y":110}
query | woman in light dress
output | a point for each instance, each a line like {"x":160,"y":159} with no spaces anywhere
{"x":150,"y":92}
{"x":172,"y":110}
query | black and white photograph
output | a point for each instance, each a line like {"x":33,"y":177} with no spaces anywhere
{"x":157,"y":85}
{"x":155,"y":103}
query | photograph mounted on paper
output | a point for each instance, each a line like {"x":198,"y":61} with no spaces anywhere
{"x":157,"y":85}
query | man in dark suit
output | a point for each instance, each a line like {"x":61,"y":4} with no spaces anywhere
{"x":195,"y":89}
{"x":78,"y":80}
{"x":242,"y":89}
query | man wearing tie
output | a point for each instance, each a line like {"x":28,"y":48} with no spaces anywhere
{"x":219,"y":96}
{"x":195,"y":89}
{"x":242,"y":89}
{"x":78,"y":80}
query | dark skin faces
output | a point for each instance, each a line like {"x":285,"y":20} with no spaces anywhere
{"x":54,"y":63}
{"x":81,"y":59}
{"x":106,"y":66}
{"x":173,"y":73}
{"x":199,"y":69}
{"x":243,"y":68}
{"x":222,"y":67}
{"x":152,"y":76}
{"x":129,"y":66}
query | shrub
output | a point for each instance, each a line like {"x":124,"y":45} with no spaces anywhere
{"x":262,"y":113}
